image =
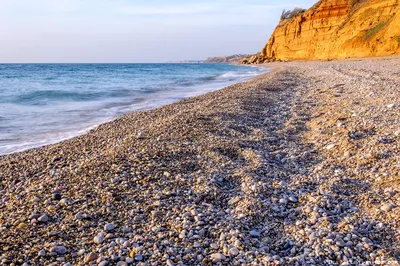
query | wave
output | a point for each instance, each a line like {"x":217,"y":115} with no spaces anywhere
{"x":37,"y":114}
{"x":45,"y":97}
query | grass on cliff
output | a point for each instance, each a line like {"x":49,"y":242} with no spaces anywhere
{"x":371,"y":32}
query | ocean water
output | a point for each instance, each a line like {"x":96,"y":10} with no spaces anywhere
{"x":42,"y":104}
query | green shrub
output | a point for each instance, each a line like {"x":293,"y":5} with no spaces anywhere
{"x":371,"y":32}
{"x":292,"y":13}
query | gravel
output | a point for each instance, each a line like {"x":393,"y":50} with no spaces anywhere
{"x":296,"y":167}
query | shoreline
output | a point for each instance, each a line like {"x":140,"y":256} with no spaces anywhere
{"x":299,"y":165}
{"x":145,"y":105}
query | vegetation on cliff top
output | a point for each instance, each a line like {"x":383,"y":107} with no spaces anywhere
{"x":287,"y":14}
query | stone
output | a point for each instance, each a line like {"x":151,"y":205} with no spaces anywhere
{"x":330,"y":146}
{"x":91,"y":257}
{"x":99,"y":239}
{"x":60,"y":250}
{"x":255,"y":234}
{"x":233,"y":252}
{"x":34,"y":216}
{"x":387,"y":207}
{"x":234,"y":200}
{"x":56,"y":196}
{"x":293,"y":199}
{"x":138,"y":257}
{"x":127,"y":230}
{"x":44,"y":218}
{"x":170,"y":263}
{"x":64,"y":201}
{"x":42,"y":253}
{"x":81,"y":252}
{"x":217,"y":257}
{"x":109,"y":227}
{"x":103,"y":263}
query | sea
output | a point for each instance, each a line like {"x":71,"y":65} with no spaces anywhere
{"x":42,"y":104}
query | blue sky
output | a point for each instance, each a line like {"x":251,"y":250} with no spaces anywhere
{"x":135,"y":30}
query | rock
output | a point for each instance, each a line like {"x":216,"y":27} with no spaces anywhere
{"x":214,"y":246}
{"x":109,"y":227}
{"x":81,"y":252}
{"x":56,"y":196}
{"x":91,"y":257}
{"x":293,"y":199}
{"x":122,"y":263}
{"x":64,"y":201}
{"x":34,"y":216}
{"x":44,"y":218}
{"x":340,"y":243}
{"x":255,"y":234}
{"x":170,"y":263}
{"x":233,"y":252}
{"x":217,"y":257}
{"x":127,"y":230}
{"x":390,"y":106}
{"x":103,"y":263}
{"x":21,"y":225}
{"x":138,"y":257}
{"x":42,"y":253}
{"x":167,"y":174}
{"x":387,"y":207}
{"x":234,"y":200}
{"x":99,"y":239}
{"x":330,"y":147}
{"x":60,"y":250}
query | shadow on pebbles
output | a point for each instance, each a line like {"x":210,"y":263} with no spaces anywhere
{"x":296,"y":167}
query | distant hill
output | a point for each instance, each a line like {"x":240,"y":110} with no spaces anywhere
{"x":232,"y":59}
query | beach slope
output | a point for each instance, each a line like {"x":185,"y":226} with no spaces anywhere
{"x":300,"y":165}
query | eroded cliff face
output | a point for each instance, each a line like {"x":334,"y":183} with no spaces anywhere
{"x":336,"y":29}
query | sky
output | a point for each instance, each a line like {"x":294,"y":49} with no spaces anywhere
{"x":132,"y":31}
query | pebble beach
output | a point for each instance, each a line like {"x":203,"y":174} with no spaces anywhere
{"x":299,"y":166}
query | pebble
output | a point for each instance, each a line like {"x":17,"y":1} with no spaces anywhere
{"x":330,"y":146}
{"x":91,"y":257}
{"x":387,"y":207}
{"x":224,"y":188}
{"x":217,"y":257}
{"x":56,"y":196}
{"x":60,"y":250}
{"x":99,"y":239}
{"x":109,"y":227}
{"x":44,"y":218}
{"x":255,"y":234}
{"x":233,"y":252}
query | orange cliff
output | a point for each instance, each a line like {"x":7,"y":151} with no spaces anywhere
{"x":336,"y":29}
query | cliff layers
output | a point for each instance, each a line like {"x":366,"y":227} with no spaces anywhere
{"x":337,"y":29}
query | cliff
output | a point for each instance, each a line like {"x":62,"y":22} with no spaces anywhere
{"x":337,"y":29}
